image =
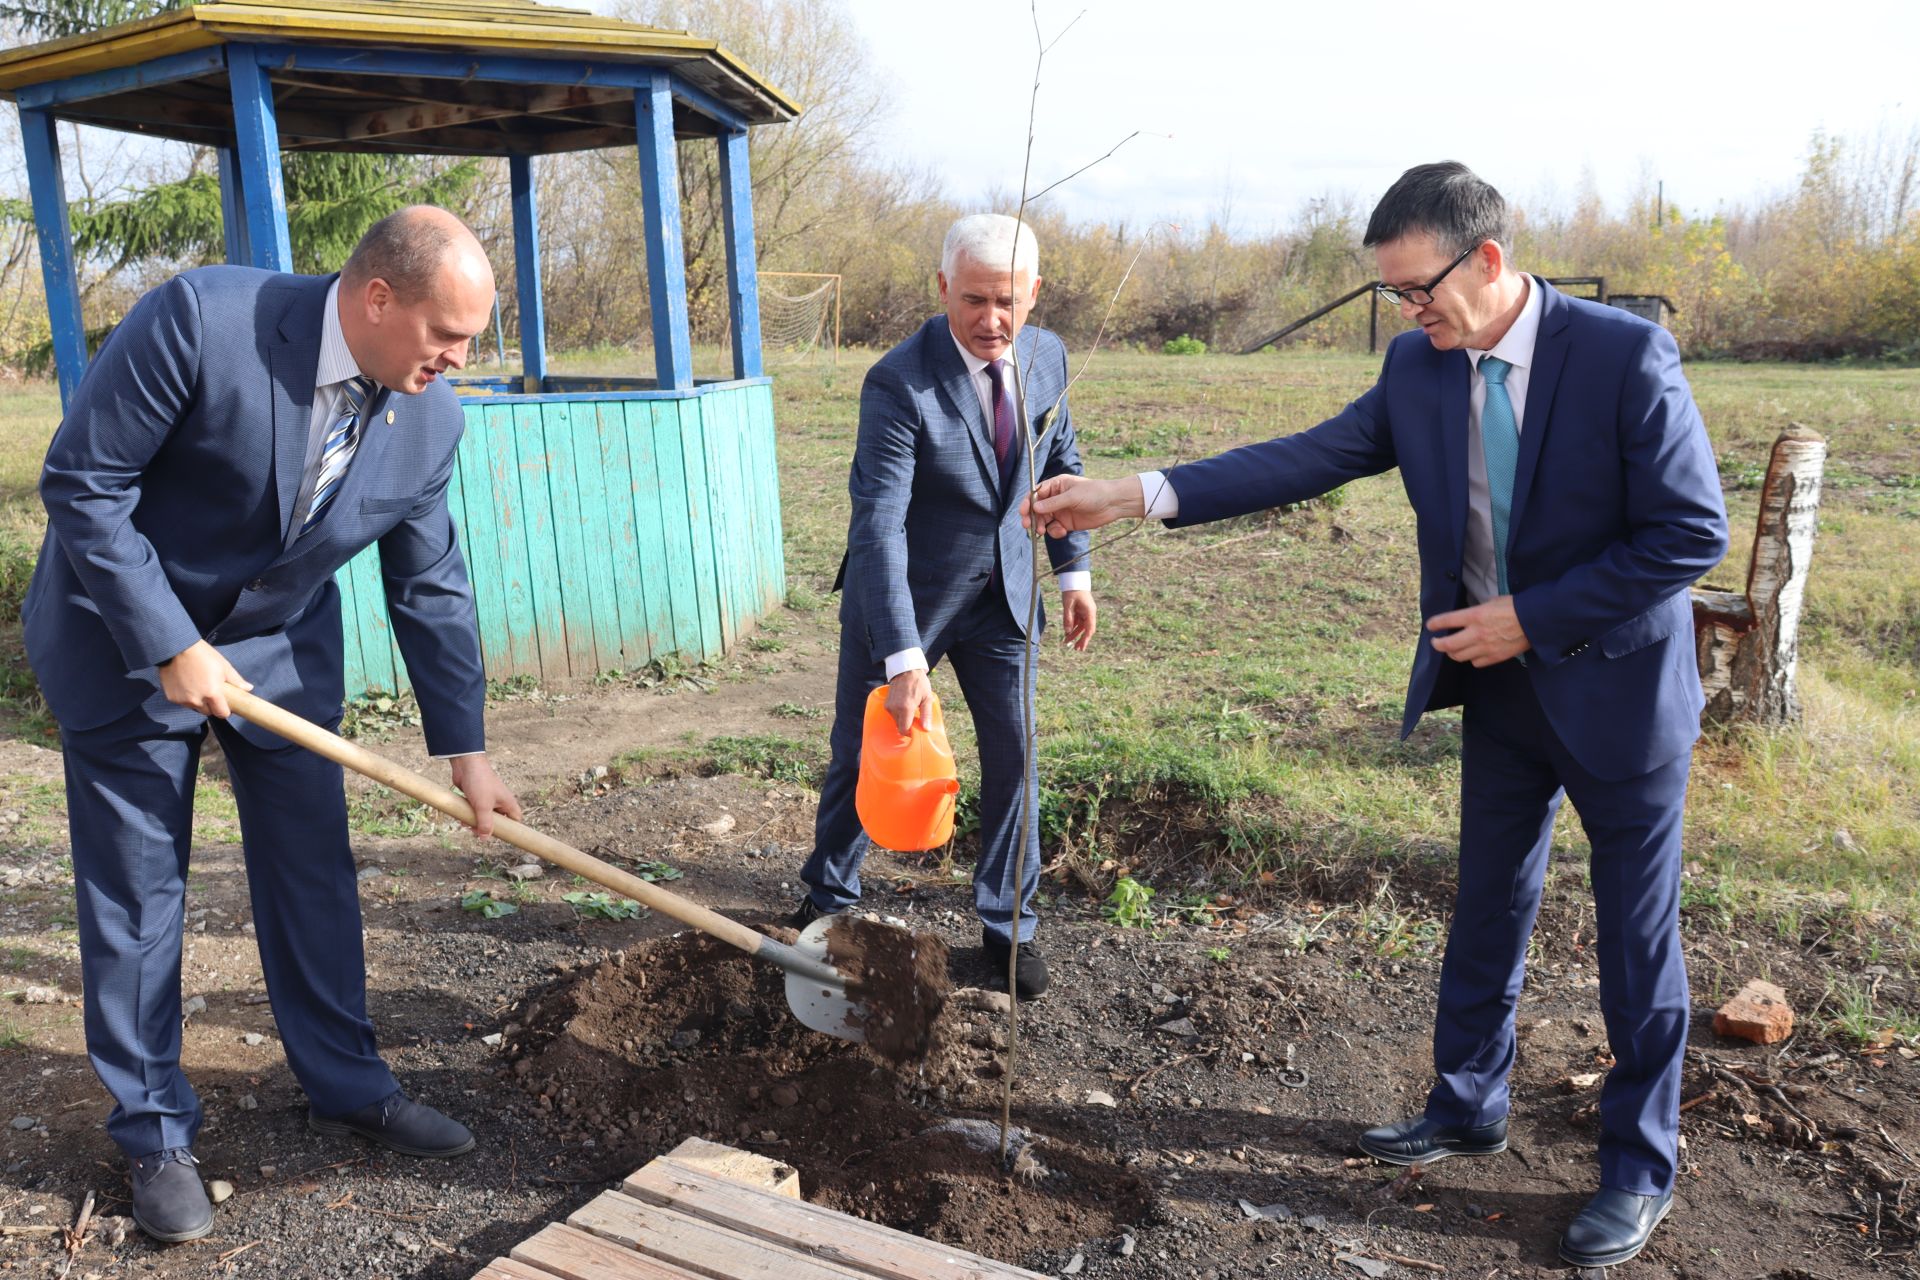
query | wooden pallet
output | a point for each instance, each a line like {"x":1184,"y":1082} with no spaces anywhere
{"x":708,"y":1211}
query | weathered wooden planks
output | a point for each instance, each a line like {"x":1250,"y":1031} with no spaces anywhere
{"x":722,"y":1214}
{"x":575,"y":1255}
{"x":697,"y":1245}
{"x":867,"y":1247}
{"x":600,"y":535}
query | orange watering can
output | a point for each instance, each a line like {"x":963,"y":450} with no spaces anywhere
{"x":905,"y":796}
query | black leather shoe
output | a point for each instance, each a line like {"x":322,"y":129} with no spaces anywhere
{"x":401,"y":1124}
{"x":806,"y":913}
{"x":1422,"y":1141}
{"x":1029,"y":970}
{"x":1613,"y":1227}
{"x":169,"y":1204}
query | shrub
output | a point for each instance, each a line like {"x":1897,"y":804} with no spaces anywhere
{"x":1184,"y":345}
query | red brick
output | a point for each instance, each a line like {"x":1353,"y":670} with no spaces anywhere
{"x":1760,"y":1013}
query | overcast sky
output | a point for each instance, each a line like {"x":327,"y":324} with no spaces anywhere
{"x":1271,"y":104}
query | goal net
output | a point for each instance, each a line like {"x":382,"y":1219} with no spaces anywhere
{"x":799,"y":316}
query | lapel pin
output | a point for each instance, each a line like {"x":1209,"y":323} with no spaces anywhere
{"x":389,"y":415}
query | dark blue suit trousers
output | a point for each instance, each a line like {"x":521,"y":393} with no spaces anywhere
{"x":1514,"y":773}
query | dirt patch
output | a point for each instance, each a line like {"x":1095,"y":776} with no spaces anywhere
{"x":688,"y":1035}
{"x":898,"y":977}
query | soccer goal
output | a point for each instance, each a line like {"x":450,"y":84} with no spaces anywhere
{"x":799,"y":315}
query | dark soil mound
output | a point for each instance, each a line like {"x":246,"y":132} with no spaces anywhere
{"x":685,"y":1037}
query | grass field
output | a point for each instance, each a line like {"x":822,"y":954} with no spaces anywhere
{"x":1238,"y":713}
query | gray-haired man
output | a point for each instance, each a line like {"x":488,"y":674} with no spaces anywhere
{"x":938,"y":564}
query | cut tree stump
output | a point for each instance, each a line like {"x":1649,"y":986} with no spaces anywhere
{"x":1748,"y":642}
{"x":717,"y":1213}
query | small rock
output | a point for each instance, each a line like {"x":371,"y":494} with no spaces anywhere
{"x":253,"y":1039}
{"x":493,"y":1038}
{"x":1579,"y":1081}
{"x":719,"y":826}
{"x":1074,"y":1264}
{"x":248,"y":1102}
{"x":1181,"y":1027}
{"x":1372,"y":1267}
{"x":194,"y":1004}
{"x":40,"y":995}
{"x":268,"y":1172}
{"x":1267,"y":1212}
{"x":408,"y":1241}
{"x":219,"y":1190}
{"x":526,"y":871}
{"x":1125,"y":1247}
{"x":1759,"y":1013}
{"x":685,"y":1039}
{"x":523,"y":1066}
{"x":24,"y":1123}
{"x":368,"y":873}
{"x":1099,"y":1098}
{"x":784,"y":1095}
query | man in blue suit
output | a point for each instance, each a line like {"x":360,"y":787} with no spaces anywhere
{"x":1566,"y":497}
{"x":240,"y":436}
{"x":938,"y":565}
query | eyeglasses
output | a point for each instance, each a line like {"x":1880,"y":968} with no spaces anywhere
{"x":1421,"y":295}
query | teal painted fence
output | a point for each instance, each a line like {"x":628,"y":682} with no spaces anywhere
{"x":601,"y":532}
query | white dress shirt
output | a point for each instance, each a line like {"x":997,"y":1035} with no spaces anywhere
{"x":1516,"y":348}
{"x":915,"y":659}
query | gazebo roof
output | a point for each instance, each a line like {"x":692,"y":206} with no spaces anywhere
{"x":397,"y":103}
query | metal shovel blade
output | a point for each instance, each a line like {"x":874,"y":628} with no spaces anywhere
{"x":824,"y":1007}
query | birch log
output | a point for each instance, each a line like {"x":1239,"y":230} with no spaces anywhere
{"x":1748,"y":642}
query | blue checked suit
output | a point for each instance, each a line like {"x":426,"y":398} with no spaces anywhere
{"x":1616,"y":509}
{"x":169,"y":489}
{"x":937,"y":559}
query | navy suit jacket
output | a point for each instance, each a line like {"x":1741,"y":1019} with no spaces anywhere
{"x":169,"y":490}
{"x":931,"y":521}
{"x":1617,"y":509}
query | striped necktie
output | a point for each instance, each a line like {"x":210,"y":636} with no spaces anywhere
{"x":1500,"y":443}
{"x":342,"y":439}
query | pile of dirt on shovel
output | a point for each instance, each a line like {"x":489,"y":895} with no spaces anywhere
{"x":687,"y":1037}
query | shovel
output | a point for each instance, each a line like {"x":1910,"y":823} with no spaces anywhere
{"x":816,"y":991}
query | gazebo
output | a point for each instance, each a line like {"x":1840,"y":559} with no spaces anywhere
{"x":606,"y":522}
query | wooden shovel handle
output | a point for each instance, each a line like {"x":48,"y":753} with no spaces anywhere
{"x":337,"y":749}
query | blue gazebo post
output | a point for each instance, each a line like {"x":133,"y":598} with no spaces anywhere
{"x":526,"y":272}
{"x":666,"y":250}
{"x":47,"y":184}
{"x":233,"y":218}
{"x":262,"y":195}
{"x":743,"y":286}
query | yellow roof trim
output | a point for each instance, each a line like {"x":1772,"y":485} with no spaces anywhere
{"x":506,"y":26}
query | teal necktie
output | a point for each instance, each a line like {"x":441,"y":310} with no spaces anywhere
{"x":1500,"y":443}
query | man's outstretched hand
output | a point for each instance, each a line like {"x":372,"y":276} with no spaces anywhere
{"x":1484,"y":635}
{"x":1066,"y":504}
{"x":197,"y":677}
{"x":477,"y":781}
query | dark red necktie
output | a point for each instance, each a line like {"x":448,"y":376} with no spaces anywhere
{"x":1002,"y":417}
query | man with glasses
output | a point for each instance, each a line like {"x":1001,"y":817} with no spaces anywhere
{"x":1566,"y":497}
